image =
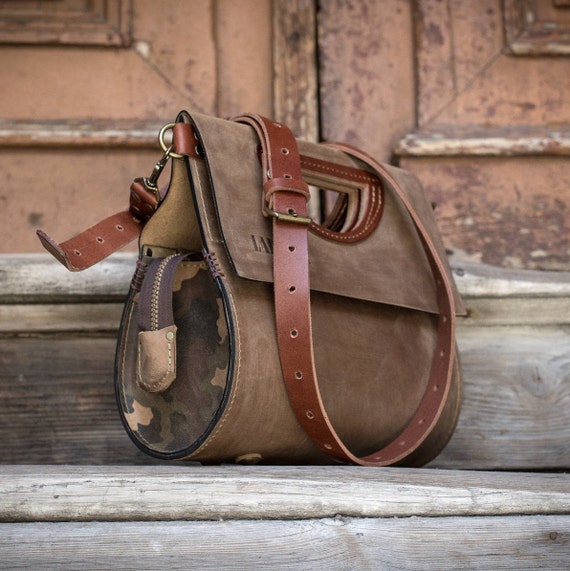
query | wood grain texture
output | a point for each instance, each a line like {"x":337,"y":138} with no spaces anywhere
{"x":295,"y":67}
{"x":23,"y":274}
{"x":39,"y":278}
{"x":514,"y":415}
{"x":522,"y":542}
{"x":112,"y":493}
{"x":57,"y":402}
{"x":366,"y":73}
{"x":86,"y":133}
{"x":503,"y":211}
{"x":516,"y":402}
{"x":497,"y":142}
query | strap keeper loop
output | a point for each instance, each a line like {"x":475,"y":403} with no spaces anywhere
{"x":283,"y":184}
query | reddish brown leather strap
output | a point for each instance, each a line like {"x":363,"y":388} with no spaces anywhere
{"x":292,"y":306}
{"x":118,"y":230}
{"x":95,"y":243}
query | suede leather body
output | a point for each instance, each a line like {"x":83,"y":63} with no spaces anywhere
{"x":373,"y":305}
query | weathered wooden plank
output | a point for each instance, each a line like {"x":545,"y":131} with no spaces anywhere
{"x":175,"y":492}
{"x":117,"y":133}
{"x":63,"y":317}
{"x":516,"y":403}
{"x":535,"y":296}
{"x":38,"y":278}
{"x":366,"y":73}
{"x":495,"y":142}
{"x":547,"y":311}
{"x":295,"y":56}
{"x":476,"y":280}
{"x":499,"y":210}
{"x":522,"y":542}
{"x":57,"y":401}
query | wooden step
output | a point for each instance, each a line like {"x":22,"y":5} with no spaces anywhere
{"x":233,"y":517}
{"x":76,"y":493}
{"x":58,"y":334}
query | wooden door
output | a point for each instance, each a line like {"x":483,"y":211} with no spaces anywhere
{"x":87,"y":84}
{"x":474,"y":97}
{"x":471,"y":96}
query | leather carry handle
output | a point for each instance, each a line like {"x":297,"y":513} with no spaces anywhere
{"x":282,"y":175}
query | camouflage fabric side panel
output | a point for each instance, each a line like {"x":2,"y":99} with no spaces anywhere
{"x":172,"y":423}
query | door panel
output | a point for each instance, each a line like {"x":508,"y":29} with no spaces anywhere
{"x":493,"y":130}
{"x":86,"y":86}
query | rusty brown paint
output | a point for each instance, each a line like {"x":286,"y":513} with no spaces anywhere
{"x":501,"y":211}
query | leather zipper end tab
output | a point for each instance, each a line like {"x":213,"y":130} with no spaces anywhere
{"x":156,"y":364}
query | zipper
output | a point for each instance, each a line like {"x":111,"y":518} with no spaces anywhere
{"x":155,"y":295}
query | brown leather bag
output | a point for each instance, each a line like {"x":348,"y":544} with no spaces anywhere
{"x":253,"y":334}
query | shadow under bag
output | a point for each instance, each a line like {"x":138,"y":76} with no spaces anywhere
{"x":252,"y":333}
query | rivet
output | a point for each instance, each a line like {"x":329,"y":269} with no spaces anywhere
{"x":328,"y":446}
{"x":170,"y":335}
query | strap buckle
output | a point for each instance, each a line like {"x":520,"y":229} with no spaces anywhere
{"x":290,"y":216}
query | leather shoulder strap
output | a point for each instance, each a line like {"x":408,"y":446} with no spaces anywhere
{"x":285,"y":200}
{"x":109,"y":235}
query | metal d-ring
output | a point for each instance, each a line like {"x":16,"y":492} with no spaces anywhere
{"x":168,"y":148}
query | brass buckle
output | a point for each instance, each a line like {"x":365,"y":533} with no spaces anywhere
{"x":290,"y":216}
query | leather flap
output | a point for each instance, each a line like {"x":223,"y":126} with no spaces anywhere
{"x":389,"y":266}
